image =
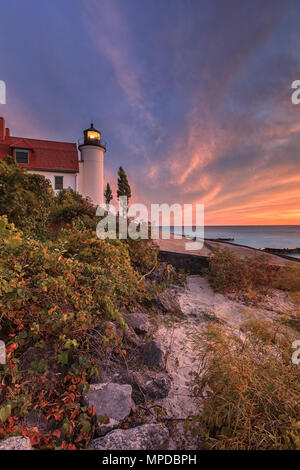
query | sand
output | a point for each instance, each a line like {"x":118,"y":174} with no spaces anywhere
{"x":179,"y":246}
{"x":200,"y":305}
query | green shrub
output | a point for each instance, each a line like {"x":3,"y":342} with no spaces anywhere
{"x":59,"y":284}
{"x":25,"y":198}
{"x":53,"y":295}
{"x":143,"y":255}
{"x":69,"y":206}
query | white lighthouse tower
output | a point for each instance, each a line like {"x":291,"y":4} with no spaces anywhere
{"x":92,"y":150}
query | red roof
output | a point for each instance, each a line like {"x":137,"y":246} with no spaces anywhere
{"x":45,"y":154}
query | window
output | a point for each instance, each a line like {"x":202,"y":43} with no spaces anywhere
{"x":22,"y":156}
{"x":59,"y":182}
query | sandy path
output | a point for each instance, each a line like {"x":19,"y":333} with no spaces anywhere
{"x":200,"y":305}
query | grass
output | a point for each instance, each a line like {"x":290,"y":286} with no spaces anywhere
{"x":288,"y":279}
{"x":249,"y":388}
{"x":247,"y":278}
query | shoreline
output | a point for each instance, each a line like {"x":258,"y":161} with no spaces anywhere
{"x":280,"y":239}
{"x":177,"y":246}
{"x":282,"y":252}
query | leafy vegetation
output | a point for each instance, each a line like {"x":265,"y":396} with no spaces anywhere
{"x":59,"y":285}
{"x":25,"y":198}
{"x":69,"y":206}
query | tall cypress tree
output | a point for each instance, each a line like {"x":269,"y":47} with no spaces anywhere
{"x":108,"y":194}
{"x":123,"y":185}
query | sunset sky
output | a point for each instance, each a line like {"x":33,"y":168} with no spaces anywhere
{"x":192,"y":96}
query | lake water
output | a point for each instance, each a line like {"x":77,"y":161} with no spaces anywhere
{"x":256,"y":236}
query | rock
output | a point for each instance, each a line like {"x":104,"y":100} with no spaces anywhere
{"x":146,"y":386}
{"x":164,"y":273}
{"x":110,"y":400}
{"x":145,"y":437}
{"x":159,"y":273}
{"x":132,"y":337}
{"x":210,"y":317}
{"x":138,"y":321}
{"x":169,"y":301}
{"x":204,"y":315}
{"x":16,"y":443}
{"x":153,"y":354}
{"x":157,"y":387}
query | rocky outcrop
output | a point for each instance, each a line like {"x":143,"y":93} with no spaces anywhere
{"x":146,"y":385}
{"x":138,"y":321}
{"x":16,"y":443}
{"x":111,"y":401}
{"x":153,"y":354}
{"x":145,"y":437}
{"x":132,"y":337}
{"x":168,"y":300}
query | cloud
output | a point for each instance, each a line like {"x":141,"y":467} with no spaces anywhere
{"x":112,"y":36}
{"x":193,"y":97}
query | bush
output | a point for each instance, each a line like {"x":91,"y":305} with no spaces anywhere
{"x":69,"y":206}
{"x":59,"y":284}
{"x":110,"y":258}
{"x":52,"y":297}
{"x":25,"y":198}
{"x":143,"y":255}
{"x":249,"y":276}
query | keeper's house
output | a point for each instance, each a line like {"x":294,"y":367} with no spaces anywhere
{"x":59,"y":162}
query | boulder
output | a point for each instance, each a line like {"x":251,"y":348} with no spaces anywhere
{"x":145,"y":437}
{"x":16,"y":443}
{"x":132,"y":337}
{"x":169,"y":301}
{"x":113,"y":330}
{"x":111,"y":401}
{"x":157,"y":387}
{"x":153,"y":354}
{"x":138,"y":321}
{"x":146,"y":385}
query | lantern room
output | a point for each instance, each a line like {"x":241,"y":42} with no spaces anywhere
{"x":92,"y":136}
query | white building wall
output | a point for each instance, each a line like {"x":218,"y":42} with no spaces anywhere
{"x":79,"y":181}
{"x":69,"y":179}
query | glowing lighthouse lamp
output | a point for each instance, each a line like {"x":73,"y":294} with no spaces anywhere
{"x":92,"y":156}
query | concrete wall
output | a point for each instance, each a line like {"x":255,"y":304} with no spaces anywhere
{"x":192,"y":264}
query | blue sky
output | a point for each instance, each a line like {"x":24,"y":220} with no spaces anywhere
{"x":192,"y":96}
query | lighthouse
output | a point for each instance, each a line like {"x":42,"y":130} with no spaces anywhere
{"x":90,"y":177}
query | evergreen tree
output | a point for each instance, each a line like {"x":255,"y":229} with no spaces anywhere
{"x":108,"y":194}
{"x":123,"y":185}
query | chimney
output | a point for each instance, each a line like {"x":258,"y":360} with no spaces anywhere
{"x":7,"y":132}
{"x":2,"y":128}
